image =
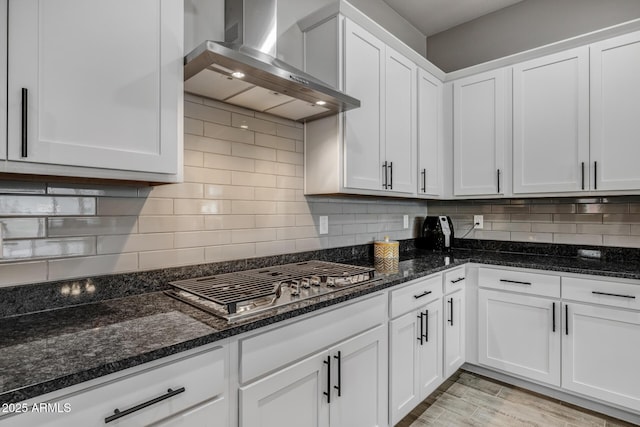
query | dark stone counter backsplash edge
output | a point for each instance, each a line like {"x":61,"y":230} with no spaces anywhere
{"x":31,"y":298}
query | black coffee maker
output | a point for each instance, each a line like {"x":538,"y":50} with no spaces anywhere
{"x":437,"y":234}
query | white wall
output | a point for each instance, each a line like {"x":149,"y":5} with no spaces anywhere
{"x":524,"y":26}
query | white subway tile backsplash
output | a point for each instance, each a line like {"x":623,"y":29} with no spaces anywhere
{"x":230,"y":252}
{"x":269,"y":221}
{"x":49,"y":248}
{"x":147,"y":206}
{"x":285,"y":169}
{"x":275,"y":248}
{"x":194,"y":158}
{"x":14,"y":205}
{"x":20,"y":187}
{"x":624,"y":241}
{"x":252,"y":123}
{"x":164,"y":224}
{"x":275,"y":142}
{"x":253,"y":152}
{"x":206,"y":113}
{"x":518,"y":236}
{"x":302,"y":220}
{"x":290,"y":132}
{"x":265,"y":167}
{"x":206,"y":175}
{"x":290,"y":157}
{"x":611,"y":229}
{"x":225,"y":133}
{"x":202,"y":207}
{"x":253,"y":179}
{"x":229,"y":192}
{"x":255,"y":235}
{"x":134,"y":243}
{"x":297,"y":232}
{"x":207,"y":145}
{"x":171,"y":258}
{"x":312,"y":244}
{"x":193,"y":126}
{"x":578,"y":239}
{"x":217,"y":161}
{"x":92,"y":226}
{"x":185,"y":190}
{"x":192,"y":239}
{"x":290,"y":182}
{"x":228,"y":222}
{"x":92,"y":266}
{"x":22,"y":228}
{"x":23,"y":273}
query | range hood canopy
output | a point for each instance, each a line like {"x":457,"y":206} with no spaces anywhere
{"x":244,"y":71}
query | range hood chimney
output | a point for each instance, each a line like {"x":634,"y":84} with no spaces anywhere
{"x":243,"y":70}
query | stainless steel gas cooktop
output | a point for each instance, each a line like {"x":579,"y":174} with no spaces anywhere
{"x":235,"y":296}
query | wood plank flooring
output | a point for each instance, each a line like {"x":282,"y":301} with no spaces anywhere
{"x":468,"y":399}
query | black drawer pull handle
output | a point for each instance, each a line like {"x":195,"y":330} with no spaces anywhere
{"x":328,"y":392}
{"x":450,"y":320}
{"x":498,"y":181}
{"x":117,"y":414}
{"x":386,"y":176}
{"x":566,"y":319}
{"x":595,"y":175}
{"x":582,"y":175}
{"x":424,"y":294}
{"x":421,"y":335}
{"x":459,"y":279}
{"x":426,"y":328}
{"x":390,"y":175}
{"x":613,"y":295}
{"x":339,"y":386}
{"x":517,"y":282}
{"x":424,"y":180}
{"x":25,"y":112}
{"x":553,"y":310}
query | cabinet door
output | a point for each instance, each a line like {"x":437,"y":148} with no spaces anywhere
{"x":364,"y":126}
{"x":600,"y":348}
{"x":454,"y":332}
{"x":615,"y":101}
{"x":404,"y":374}
{"x":3,"y":79}
{"x":430,"y":352}
{"x":101,"y":82}
{"x":519,"y":334}
{"x":551,"y":123}
{"x":430,"y":154}
{"x":291,"y":397}
{"x":359,"y":384}
{"x":479,"y":134}
{"x":400,"y":122}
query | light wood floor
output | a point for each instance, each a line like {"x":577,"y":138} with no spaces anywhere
{"x":468,"y":399}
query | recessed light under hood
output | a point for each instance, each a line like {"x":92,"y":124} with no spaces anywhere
{"x":244,"y":71}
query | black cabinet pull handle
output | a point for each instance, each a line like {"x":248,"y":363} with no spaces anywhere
{"x":459,"y":279}
{"x":566,"y":319}
{"x":426,"y":328}
{"x":25,"y":104}
{"x":424,"y":180}
{"x":339,"y":386}
{"x":451,"y":311}
{"x":595,"y":175}
{"x":117,"y":414}
{"x":582,"y":175}
{"x":384,"y":166}
{"x":390,"y":175}
{"x":498,"y":181}
{"x":553,"y":309}
{"x":328,"y":392}
{"x":517,"y":282}
{"x":613,"y":295}
{"x":421,"y":335}
{"x":424,"y":294}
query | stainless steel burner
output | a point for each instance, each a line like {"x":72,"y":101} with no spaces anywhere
{"x":245,"y":293}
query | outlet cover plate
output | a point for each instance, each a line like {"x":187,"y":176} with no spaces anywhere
{"x":405,"y":221}
{"x":324,"y":225}
{"x":478,"y":222}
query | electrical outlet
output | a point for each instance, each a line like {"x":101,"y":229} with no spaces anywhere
{"x":478,"y":221}
{"x":324,"y":225}
{"x":405,"y":221}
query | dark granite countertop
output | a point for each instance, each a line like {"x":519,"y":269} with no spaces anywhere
{"x":49,"y":350}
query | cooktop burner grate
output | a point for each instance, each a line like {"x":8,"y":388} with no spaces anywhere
{"x":231,"y":289}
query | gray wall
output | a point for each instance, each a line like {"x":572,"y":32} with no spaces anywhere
{"x":204,"y":20}
{"x":523,"y":26}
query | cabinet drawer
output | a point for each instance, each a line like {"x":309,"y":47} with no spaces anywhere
{"x":519,"y":281}
{"x":416,"y":294}
{"x":202,"y":376}
{"x":265,"y":352}
{"x":601,"y":292}
{"x":454,"y":280}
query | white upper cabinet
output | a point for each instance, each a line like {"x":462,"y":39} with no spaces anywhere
{"x":430,"y":150}
{"x":371,"y":149}
{"x":551,"y":123}
{"x":479,"y":134}
{"x":3,"y":79}
{"x":96,"y":84}
{"x":615,"y":103}
{"x":400,"y":122}
{"x":364,"y":126}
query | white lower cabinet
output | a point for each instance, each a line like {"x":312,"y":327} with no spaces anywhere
{"x":454,"y":332}
{"x":192,"y":391}
{"x":600,"y":352}
{"x":343,"y":386}
{"x":519,"y":334}
{"x":415,"y":362}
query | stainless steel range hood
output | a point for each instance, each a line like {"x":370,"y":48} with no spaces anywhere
{"x":244,"y":71}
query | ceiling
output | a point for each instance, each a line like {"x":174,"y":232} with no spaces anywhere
{"x":433,"y":16}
